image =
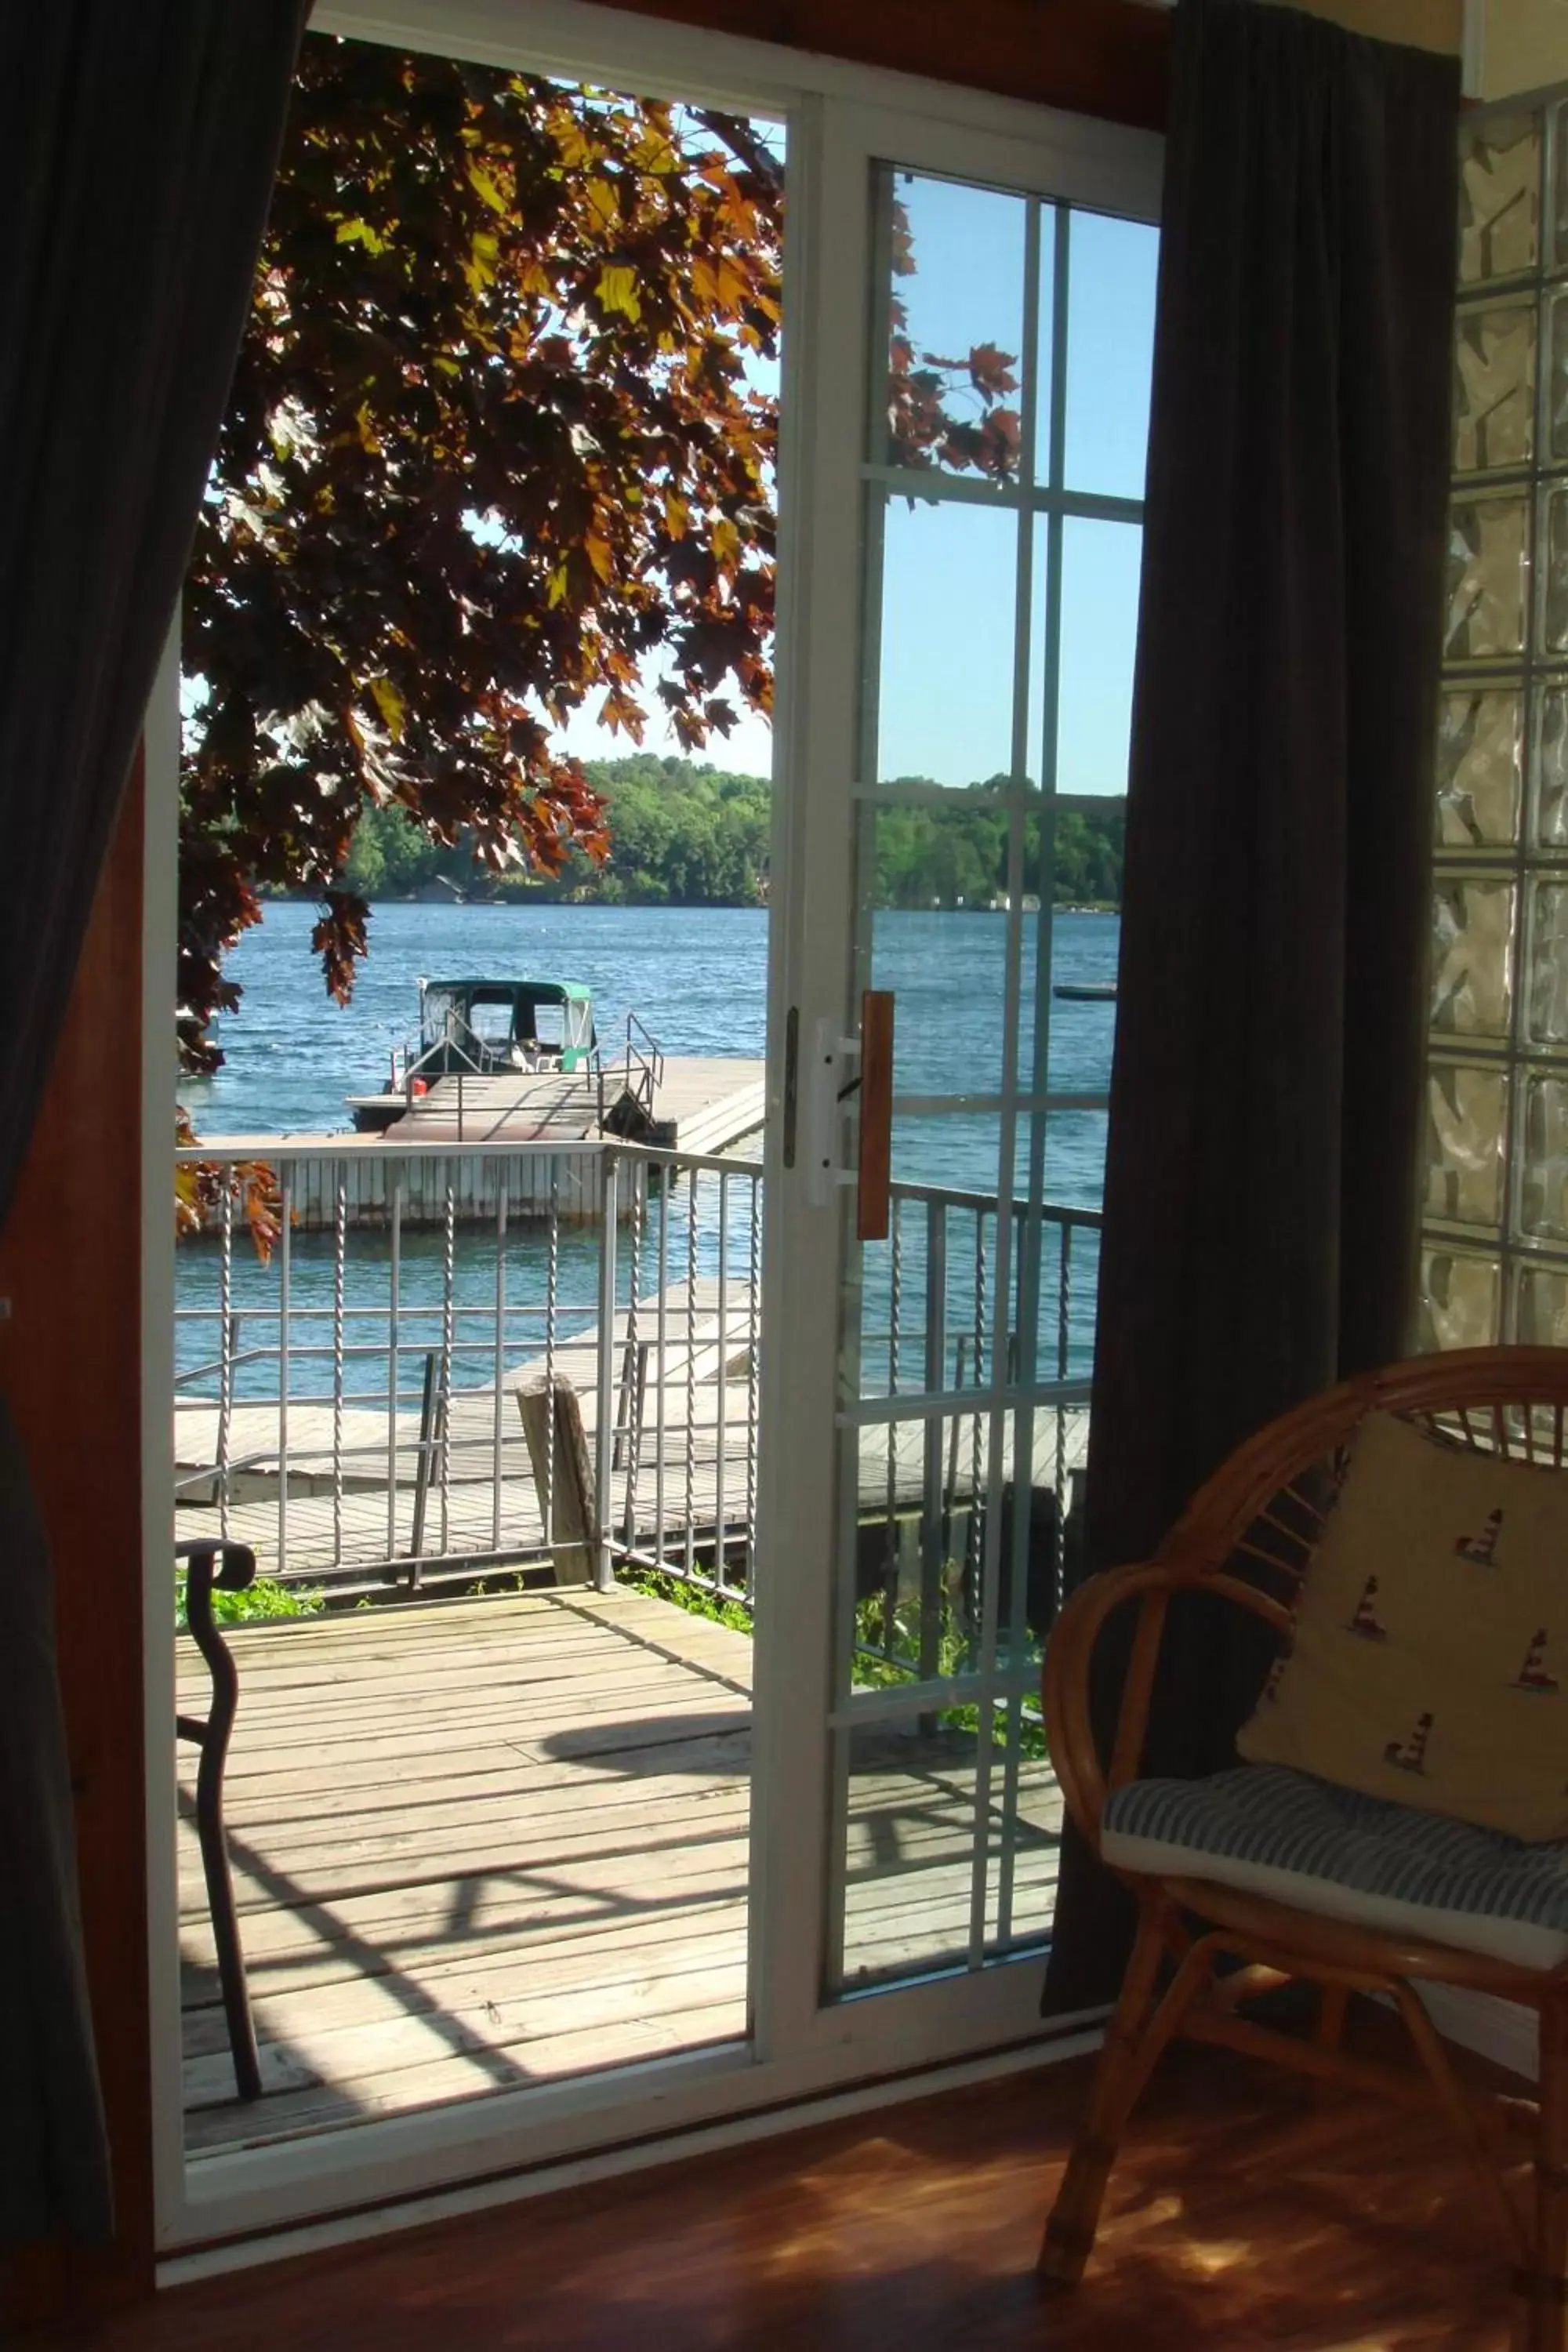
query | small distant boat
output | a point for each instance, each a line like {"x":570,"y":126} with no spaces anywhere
{"x":1086,"y":991}
{"x":485,"y":1029}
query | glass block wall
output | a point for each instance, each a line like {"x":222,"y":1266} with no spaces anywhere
{"x":1495,"y":1254}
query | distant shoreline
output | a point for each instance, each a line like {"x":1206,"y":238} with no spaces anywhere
{"x":682,"y":834}
{"x":628,"y":906}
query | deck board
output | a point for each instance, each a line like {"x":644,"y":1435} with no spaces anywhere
{"x":487,"y":1843}
{"x":702,"y":1104}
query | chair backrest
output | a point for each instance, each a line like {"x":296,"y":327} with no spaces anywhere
{"x":1266,"y":1504}
{"x":1249,"y":1531}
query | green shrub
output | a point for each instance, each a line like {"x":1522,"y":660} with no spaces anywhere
{"x":264,"y":1602}
{"x":874,"y":1669}
{"x":696,"y":1598}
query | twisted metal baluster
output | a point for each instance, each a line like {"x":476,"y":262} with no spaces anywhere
{"x":752,"y":1389}
{"x":1064,"y":1289}
{"x":499,"y":1375}
{"x":551,"y":1282}
{"x":634,"y":1385}
{"x":393,"y":1362}
{"x":448,"y":1318}
{"x":284,"y":1323}
{"x":660,"y":1345}
{"x":225,"y":1353}
{"x":975,"y":1536}
{"x":340,"y":1255}
{"x":720,"y":1389}
{"x":690,"y":1553}
{"x":890,"y":1555}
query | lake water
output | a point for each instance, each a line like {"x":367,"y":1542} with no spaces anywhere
{"x":698,"y":978}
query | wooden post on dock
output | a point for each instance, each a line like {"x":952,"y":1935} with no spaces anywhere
{"x":567,"y":1486}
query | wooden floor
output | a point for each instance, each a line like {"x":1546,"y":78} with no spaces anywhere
{"x":485,"y":1843}
{"x":1248,"y":2214}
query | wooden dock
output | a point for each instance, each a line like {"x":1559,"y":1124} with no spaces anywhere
{"x":483,"y":1844}
{"x":702,"y":1108}
{"x":698,"y":1105}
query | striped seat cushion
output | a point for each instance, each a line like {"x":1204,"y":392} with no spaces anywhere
{"x":1274,"y":1832}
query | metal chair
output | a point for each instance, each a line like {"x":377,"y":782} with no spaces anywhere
{"x":234,"y":1567}
{"x":1245,"y":1541}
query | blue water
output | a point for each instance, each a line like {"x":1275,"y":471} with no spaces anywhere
{"x":698,"y":978}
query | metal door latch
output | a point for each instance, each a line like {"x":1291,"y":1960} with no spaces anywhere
{"x":832,"y":1078}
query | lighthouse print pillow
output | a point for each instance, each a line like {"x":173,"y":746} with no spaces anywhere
{"x":1429,"y":1657}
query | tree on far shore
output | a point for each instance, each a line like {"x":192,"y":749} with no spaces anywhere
{"x":685,"y":834}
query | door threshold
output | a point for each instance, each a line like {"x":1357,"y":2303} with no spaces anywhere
{"x":632,"y":2156}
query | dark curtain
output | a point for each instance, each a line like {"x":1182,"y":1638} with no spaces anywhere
{"x":1265,"y":1108}
{"x":138,"y":143}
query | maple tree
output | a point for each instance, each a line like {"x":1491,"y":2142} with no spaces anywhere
{"x":493,"y":446}
{"x":495,"y":450}
{"x":924,"y":430}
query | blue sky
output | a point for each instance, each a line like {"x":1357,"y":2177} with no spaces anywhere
{"x":948,"y":606}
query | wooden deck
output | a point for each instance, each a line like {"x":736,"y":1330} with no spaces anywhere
{"x":485,"y":1844}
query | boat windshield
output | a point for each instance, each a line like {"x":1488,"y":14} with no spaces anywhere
{"x":486,"y":1015}
{"x":490,"y":1020}
{"x":496,"y":1022}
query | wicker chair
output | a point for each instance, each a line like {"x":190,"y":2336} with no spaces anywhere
{"x":1246,"y":1538}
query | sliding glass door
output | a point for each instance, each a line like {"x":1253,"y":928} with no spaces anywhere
{"x":816,"y":1744}
{"x":970,"y":634}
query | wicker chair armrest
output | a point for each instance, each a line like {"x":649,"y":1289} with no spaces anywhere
{"x":1086,"y":1779}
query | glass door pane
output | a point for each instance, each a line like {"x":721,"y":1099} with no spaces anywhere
{"x":1001,"y":475}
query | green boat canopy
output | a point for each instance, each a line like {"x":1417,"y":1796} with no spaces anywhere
{"x":487,"y":1025}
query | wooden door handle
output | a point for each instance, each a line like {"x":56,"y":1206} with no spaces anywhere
{"x":872,"y":1202}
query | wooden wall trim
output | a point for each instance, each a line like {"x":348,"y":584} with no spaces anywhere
{"x":70,"y":1357}
{"x":1105,"y":57}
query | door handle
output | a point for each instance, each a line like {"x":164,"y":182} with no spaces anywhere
{"x":872,"y":1195}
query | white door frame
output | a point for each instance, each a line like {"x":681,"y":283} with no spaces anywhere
{"x":837,"y":114}
{"x":820,"y":681}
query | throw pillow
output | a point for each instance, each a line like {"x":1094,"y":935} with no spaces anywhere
{"x":1430,"y":1645}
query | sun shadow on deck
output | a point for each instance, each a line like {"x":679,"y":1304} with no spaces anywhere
{"x":435,"y":1904}
{"x":483,"y":1845}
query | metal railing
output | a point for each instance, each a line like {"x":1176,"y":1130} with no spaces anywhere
{"x":349,"y":1408}
{"x":927,"y":1486}
{"x":636,"y":1079}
